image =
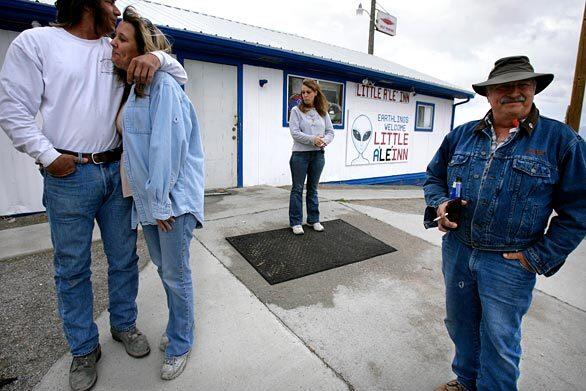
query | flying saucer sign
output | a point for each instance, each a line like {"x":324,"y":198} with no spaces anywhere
{"x":386,"y":23}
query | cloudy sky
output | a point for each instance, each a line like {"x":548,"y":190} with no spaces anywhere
{"x":453,"y":40}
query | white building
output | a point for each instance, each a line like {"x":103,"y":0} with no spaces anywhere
{"x":243,"y":80}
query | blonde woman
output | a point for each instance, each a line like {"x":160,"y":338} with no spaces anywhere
{"x":312,"y":130}
{"x":164,"y":172}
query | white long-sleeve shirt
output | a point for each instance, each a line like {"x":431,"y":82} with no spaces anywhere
{"x":71,"y":82}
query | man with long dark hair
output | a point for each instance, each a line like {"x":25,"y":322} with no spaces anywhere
{"x":66,"y":73}
{"x":70,"y":13}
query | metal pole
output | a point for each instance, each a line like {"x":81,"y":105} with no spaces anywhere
{"x":575,"y":108}
{"x":371,"y":29}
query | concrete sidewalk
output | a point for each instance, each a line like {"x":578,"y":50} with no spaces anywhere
{"x":28,"y":240}
{"x":240,"y":343}
{"x":372,"y":325}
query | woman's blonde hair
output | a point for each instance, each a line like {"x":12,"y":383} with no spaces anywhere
{"x":148,"y":39}
{"x":320,"y":102}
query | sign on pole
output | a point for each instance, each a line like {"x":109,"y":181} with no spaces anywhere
{"x":386,"y":23}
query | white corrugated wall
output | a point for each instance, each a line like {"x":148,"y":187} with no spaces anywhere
{"x":21,"y":185}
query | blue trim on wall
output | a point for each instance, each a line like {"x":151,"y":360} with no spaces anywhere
{"x":180,"y":57}
{"x":10,"y":27}
{"x":239,"y":135}
{"x":421,"y":103}
{"x":311,"y":75}
{"x":19,"y":14}
{"x":285,"y":105}
{"x":187,"y":53}
{"x":405,"y":179}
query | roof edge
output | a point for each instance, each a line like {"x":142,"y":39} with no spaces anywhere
{"x":36,"y":10}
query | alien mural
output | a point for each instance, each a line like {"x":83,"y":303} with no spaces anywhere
{"x":361,"y":135}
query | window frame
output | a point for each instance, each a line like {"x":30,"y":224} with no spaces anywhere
{"x":333,"y":80}
{"x":428,"y":104}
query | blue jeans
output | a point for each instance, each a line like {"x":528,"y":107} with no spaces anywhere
{"x":486,"y":299}
{"x":305,"y":164}
{"x":72,"y":203}
{"x":169,"y":251}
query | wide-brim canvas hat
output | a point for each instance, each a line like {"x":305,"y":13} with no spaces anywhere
{"x":511,"y":69}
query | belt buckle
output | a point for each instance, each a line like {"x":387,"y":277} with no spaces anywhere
{"x":94,"y":160}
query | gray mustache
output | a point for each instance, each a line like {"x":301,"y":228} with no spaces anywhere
{"x":507,"y":99}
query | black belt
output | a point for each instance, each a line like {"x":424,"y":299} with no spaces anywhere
{"x":113,"y":155}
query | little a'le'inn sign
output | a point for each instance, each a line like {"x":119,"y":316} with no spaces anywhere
{"x":381,"y":132}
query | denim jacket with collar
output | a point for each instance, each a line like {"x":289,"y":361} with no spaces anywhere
{"x":511,"y":192}
{"x":164,"y":155}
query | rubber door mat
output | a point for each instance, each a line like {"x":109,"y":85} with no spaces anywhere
{"x":280,"y":256}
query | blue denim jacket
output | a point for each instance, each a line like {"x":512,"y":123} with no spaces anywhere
{"x":511,"y":193}
{"x":164,"y":154}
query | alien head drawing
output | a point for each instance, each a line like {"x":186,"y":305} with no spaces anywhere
{"x":361,"y":135}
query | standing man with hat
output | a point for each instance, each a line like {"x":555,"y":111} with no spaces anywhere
{"x":516,"y":167}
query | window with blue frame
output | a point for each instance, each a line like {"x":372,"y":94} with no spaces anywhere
{"x":424,"y":113}
{"x":334,"y":92}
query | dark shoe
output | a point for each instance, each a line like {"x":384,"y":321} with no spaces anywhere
{"x":135,"y":342}
{"x":83,"y":373}
{"x":452,"y":385}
